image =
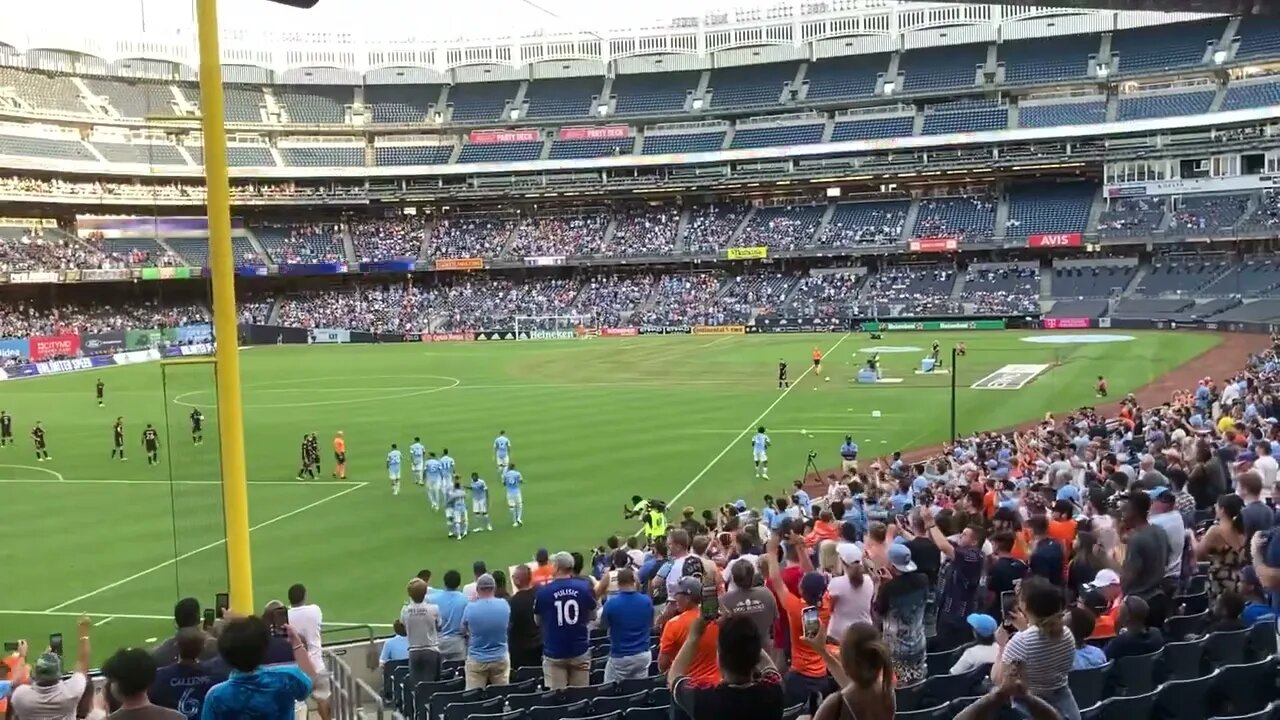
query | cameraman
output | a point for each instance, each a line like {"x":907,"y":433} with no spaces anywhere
{"x":849,"y":455}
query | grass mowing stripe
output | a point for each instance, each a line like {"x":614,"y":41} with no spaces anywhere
{"x":733,"y":443}
{"x":203,"y":548}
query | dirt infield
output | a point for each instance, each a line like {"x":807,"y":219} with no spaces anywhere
{"x":1217,"y":362}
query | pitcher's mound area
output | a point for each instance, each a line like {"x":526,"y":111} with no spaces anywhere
{"x":1077,"y":339}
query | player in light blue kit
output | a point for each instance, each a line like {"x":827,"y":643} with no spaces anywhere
{"x":480,"y":502}
{"x":760,"y":452}
{"x":455,"y":509}
{"x":446,"y":464}
{"x":393,"y":469}
{"x":512,"y":480}
{"x":416,"y":453}
{"x":435,"y":481}
{"x":502,"y":450}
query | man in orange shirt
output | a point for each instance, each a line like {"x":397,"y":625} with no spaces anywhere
{"x":704,"y":669}
{"x":817,"y":361}
{"x":339,"y":457}
{"x":542,"y":570}
{"x":808,"y":676}
{"x":1103,"y":597}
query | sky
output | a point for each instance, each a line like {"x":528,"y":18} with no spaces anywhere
{"x":367,"y":19}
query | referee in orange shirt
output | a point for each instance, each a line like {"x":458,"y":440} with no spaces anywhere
{"x":339,"y":457}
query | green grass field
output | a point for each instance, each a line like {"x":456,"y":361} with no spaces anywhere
{"x":592,"y":422}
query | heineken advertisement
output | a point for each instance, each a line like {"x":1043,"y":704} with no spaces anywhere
{"x":148,"y":338}
{"x":169,"y":273}
{"x":874,"y":326}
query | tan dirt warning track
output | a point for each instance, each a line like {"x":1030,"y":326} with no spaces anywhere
{"x":1217,"y":362}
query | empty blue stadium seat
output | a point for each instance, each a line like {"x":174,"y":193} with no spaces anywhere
{"x":1065,"y":113}
{"x":1251,"y":95}
{"x":1047,"y":59}
{"x":1131,"y":217}
{"x":941,"y":68}
{"x":967,"y":218}
{"x":1140,"y":107}
{"x":563,"y":97}
{"x":143,"y":153}
{"x":750,"y":86}
{"x":135,"y":98}
{"x":1164,"y":47}
{"x":412,"y":154}
{"x":873,"y":128}
{"x":754,"y":137}
{"x":500,"y":152}
{"x":240,"y":103}
{"x":653,"y":93}
{"x":316,"y":103}
{"x":44,"y":147}
{"x":390,"y":104}
{"x":480,"y":102}
{"x":1259,"y":37}
{"x":1049,"y":208}
{"x":840,"y":78}
{"x":323,"y":155}
{"x":865,"y":223}
{"x":568,"y":149}
{"x":1085,"y":282}
{"x":683,"y":143}
{"x":245,"y":156}
{"x":937,"y":123}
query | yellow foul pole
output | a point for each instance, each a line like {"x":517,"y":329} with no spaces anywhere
{"x":235,"y":491}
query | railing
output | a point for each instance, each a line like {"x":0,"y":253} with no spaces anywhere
{"x":353,"y":698}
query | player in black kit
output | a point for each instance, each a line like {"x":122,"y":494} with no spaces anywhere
{"x":6,"y":429}
{"x":197,"y":427}
{"x":782,"y":374}
{"x":101,"y":388}
{"x":37,"y":438}
{"x":117,"y":437}
{"x":151,"y":442}
{"x":310,"y":457}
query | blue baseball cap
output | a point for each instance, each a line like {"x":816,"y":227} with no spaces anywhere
{"x":984,"y":626}
{"x":1070,"y":493}
{"x":900,"y":558}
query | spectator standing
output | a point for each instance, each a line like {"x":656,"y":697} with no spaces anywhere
{"x":1256,"y":515}
{"x":48,"y":696}
{"x":928,"y":559}
{"x":628,"y":618}
{"x":900,"y":606}
{"x":807,"y":676}
{"x":183,"y":685}
{"x":1048,"y":557}
{"x":186,"y":614}
{"x":864,"y":673}
{"x":701,"y":666}
{"x":254,"y":691}
{"x":542,"y":570}
{"x":452,"y":602}
{"x":748,"y":686}
{"x":130,"y":672}
{"x":748,"y":596}
{"x":1043,"y":647}
{"x":1223,"y":545}
{"x":1164,"y":515}
{"x":478,"y":568}
{"x":421,"y":621}
{"x":960,"y":580}
{"x":1088,"y":559}
{"x":1004,"y":572}
{"x":307,"y":620}
{"x":1146,"y":557}
{"x":1267,"y":468}
{"x":396,"y":647}
{"x":564,"y":608}
{"x":485,"y":622}
{"x":524,"y":639}
{"x":850,"y":593}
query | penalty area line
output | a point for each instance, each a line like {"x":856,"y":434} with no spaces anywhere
{"x":733,"y":443}
{"x":108,"y":617}
{"x":210,"y":546}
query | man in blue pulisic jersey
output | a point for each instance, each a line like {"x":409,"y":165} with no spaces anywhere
{"x":455,"y":509}
{"x":393,"y":469}
{"x":564,"y":608}
{"x":512,"y":480}
{"x":437,"y":481}
{"x":480,"y":502}
{"x":502,"y":450}
{"x":760,"y":453}
{"x":417,"y":456}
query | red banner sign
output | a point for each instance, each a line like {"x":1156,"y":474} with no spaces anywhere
{"x":491,"y":137}
{"x":1055,"y":240}
{"x":595,"y":132}
{"x":934,"y":244}
{"x":45,"y":347}
{"x":467,"y":336}
{"x":1067,"y":323}
{"x":619,"y":332}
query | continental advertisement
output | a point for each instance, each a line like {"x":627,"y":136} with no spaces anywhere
{"x":169,"y":273}
{"x":150,"y":337}
{"x":719,"y":330}
{"x":747,"y":253}
{"x":876,"y":326}
{"x":459,"y":264}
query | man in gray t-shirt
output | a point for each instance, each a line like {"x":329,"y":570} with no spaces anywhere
{"x":1146,"y":557}
{"x":421,"y":622}
{"x":745,"y":597}
{"x":1164,"y":515}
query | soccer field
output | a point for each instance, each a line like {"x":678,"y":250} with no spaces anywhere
{"x":591,"y":422}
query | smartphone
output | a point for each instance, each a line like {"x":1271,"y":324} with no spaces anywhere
{"x":809,"y":621}
{"x":10,"y":647}
{"x":276,"y":622}
{"x":55,"y":644}
{"x":209,"y":616}
{"x":902,"y":521}
{"x":221,"y":602}
{"x":710,"y":608}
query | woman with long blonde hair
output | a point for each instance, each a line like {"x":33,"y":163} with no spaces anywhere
{"x":864,"y":673}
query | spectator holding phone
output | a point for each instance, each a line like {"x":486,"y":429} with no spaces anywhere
{"x":186,"y":614}
{"x":253,"y":690}
{"x":701,"y":668}
{"x":749,"y":684}
{"x":182,"y":686}
{"x":808,"y":673}
{"x":49,"y":696}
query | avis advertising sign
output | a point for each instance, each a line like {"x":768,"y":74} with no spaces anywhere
{"x":1055,"y":240}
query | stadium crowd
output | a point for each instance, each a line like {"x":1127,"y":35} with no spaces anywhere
{"x":24,"y":319}
{"x":387,"y":239}
{"x":1090,"y":563}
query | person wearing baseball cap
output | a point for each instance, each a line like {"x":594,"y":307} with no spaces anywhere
{"x":48,"y":695}
{"x":485,"y":621}
{"x":702,"y":669}
{"x":808,"y":676}
{"x":1103,"y":596}
{"x":983,"y":651}
{"x":900,"y":603}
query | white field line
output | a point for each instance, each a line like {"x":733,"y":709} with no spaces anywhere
{"x":210,"y":546}
{"x":133,"y":616}
{"x":717,"y":341}
{"x":751,"y":426}
{"x":104,"y":620}
{"x":33,"y":481}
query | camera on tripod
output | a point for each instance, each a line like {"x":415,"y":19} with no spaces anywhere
{"x":812,"y":454}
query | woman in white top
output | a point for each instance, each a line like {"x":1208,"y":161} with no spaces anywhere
{"x":828,"y":560}
{"x":850,"y":593}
